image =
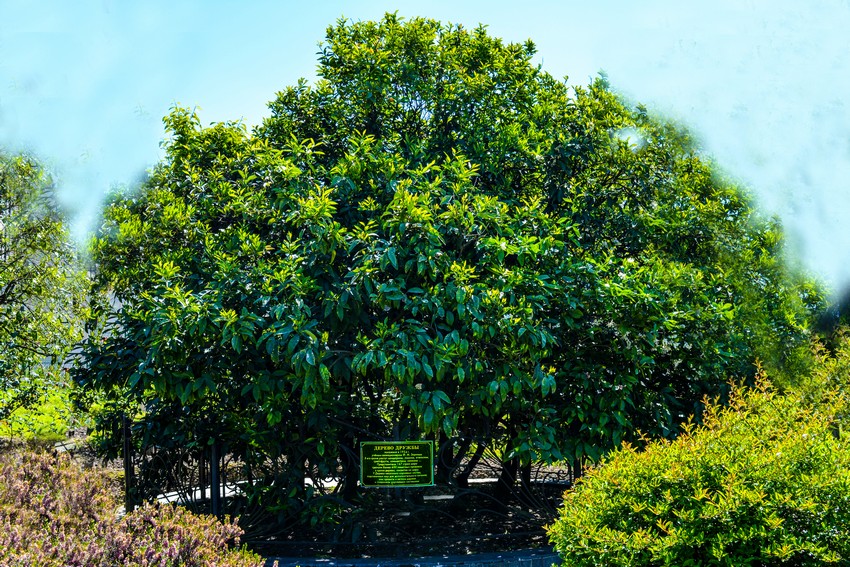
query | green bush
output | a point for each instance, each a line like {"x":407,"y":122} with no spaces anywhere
{"x":54,"y":513}
{"x":48,"y":419}
{"x":763,"y":481}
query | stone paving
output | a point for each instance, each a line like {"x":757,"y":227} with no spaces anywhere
{"x":520,"y":558}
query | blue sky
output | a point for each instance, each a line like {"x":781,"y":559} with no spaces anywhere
{"x":84,"y":84}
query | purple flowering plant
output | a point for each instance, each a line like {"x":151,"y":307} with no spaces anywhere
{"x":54,"y":512}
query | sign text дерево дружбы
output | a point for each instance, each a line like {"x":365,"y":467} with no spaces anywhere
{"x":396,"y":463}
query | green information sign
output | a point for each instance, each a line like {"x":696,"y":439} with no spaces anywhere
{"x":397,"y":463}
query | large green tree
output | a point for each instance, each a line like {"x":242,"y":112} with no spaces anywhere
{"x":437,"y":239}
{"x":42,"y":288}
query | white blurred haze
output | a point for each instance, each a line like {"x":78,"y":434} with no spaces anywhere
{"x":84,"y":84}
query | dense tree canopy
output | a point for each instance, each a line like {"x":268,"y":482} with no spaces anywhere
{"x":41,"y":286}
{"x":439,"y":240}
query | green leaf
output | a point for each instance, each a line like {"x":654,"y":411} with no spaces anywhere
{"x":493,"y":388}
{"x":442,"y":397}
{"x":428,"y":417}
{"x":547,"y":385}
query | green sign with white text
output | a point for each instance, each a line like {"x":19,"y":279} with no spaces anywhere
{"x":396,"y":463}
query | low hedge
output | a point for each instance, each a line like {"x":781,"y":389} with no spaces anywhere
{"x":763,"y":481}
{"x":54,"y":513}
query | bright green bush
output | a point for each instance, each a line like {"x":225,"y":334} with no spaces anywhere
{"x":53,"y":513}
{"x":764,"y":481}
{"x":47,"y":419}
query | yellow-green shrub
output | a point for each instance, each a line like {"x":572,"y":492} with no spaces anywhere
{"x":764,"y":481}
{"x":47,"y":419}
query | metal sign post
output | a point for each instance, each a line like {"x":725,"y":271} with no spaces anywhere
{"x":129,"y":501}
{"x":215,"y":480}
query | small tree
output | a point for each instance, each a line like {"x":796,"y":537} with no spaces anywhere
{"x":42,"y":288}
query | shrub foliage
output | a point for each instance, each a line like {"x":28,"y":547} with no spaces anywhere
{"x":54,"y":513}
{"x":764,"y":481}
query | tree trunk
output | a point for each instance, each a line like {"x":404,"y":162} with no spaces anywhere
{"x":526,"y":496}
{"x":506,"y":485}
{"x":462,"y":479}
{"x":350,"y":469}
{"x":445,"y":459}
